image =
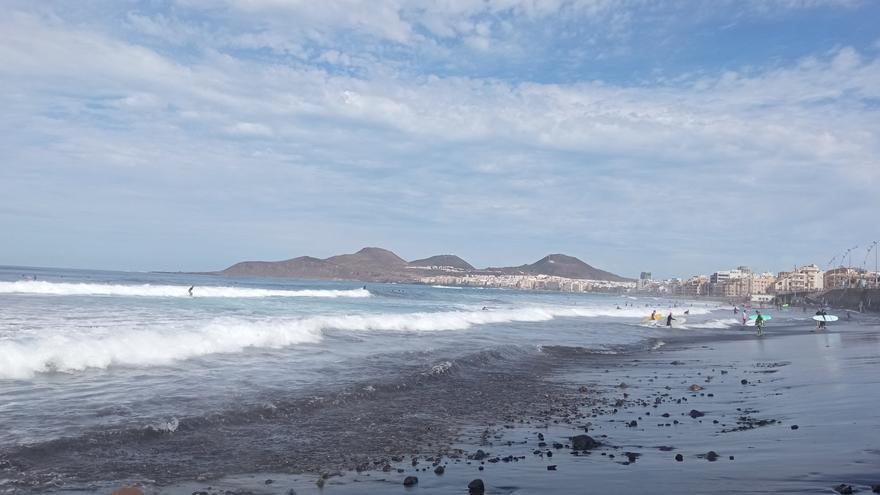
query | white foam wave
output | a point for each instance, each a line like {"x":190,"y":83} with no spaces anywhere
{"x":169,"y":426}
{"x":83,"y":348}
{"x":80,"y":348}
{"x":446,"y":287}
{"x":149,"y":290}
{"x":717,"y":324}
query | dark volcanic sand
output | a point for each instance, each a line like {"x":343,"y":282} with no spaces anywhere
{"x":826,"y":384}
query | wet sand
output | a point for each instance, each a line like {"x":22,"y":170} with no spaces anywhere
{"x":797,"y":411}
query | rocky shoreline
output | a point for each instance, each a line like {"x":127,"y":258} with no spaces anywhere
{"x":696,"y":417}
{"x":728,"y":414}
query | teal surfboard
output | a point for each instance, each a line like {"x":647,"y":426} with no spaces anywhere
{"x":766,"y":317}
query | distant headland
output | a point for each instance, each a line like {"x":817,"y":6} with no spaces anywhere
{"x":372,"y":264}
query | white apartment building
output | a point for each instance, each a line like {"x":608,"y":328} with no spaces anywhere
{"x":804,"y":278}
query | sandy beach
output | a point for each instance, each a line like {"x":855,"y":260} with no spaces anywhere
{"x":792,"y":412}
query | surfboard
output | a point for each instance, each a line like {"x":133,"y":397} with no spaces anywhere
{"x":825,"y":318}
{"x":657,"y":316}
{"x":766,"y":317}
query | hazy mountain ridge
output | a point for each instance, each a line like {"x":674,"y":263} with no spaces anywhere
{"x":372,"y":264}
{"x":561,"y":265}
{"x":449,"y":260}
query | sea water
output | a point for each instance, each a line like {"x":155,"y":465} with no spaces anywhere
{"x":96,"y":351}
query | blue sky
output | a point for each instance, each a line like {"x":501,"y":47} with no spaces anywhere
{"x":677,"y":137}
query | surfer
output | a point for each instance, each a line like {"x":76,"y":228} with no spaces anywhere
{"x":820,"y":324}
{"x":653,"y":315}
{"x":190,"y":290}
{"x":687,"y":311}
{"x":759,"y":322}
{"x":669,"y":319}
{"x":735,"y":310}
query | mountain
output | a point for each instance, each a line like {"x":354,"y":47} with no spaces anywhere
{"x":369,"y":264}
{"x":372,"y":264}
{"x":443,"y":260}
{"x":561,"y":265}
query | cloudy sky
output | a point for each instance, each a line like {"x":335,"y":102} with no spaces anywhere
{"x":677,"y":136}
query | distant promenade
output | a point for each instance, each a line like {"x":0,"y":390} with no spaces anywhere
{"x":847,"y":298}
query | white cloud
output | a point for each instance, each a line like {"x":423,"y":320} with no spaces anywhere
{"x":251,"y":129}
{"x":467,"y":150}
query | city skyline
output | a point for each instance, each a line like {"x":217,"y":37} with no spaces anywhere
{"x":637,"y":136}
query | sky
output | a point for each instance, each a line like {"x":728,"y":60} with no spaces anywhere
{"x":677,"y":137}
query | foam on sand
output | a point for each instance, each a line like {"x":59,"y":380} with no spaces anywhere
{"x":149,"y":290}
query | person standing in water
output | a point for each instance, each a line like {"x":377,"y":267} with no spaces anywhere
{"x":759,"y":322}
{"x":190,"y":290}
{"x":669,"y":319}
{"x":653,"y":315}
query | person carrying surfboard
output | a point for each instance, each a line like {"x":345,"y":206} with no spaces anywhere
{"x":820,"y":324}
{"x":759,"y":322}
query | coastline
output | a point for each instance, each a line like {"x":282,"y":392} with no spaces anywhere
{"x":803,"y":422}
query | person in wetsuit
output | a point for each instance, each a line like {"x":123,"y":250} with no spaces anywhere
{"x":669,"y":319}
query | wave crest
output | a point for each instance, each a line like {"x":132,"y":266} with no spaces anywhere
{"x":74,"y":349}
{"x":149,"y":290}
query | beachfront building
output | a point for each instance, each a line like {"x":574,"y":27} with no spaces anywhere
{"x":806,"y":278}
{"x":842,"y":277}
{"x":737,"y":287}
{"x":790,"y":282}
{"x":763,"y":283}
{"x":872,"y":280}
{"x":814,"y":277}
{"x":731,"y":283}
{"x":695,"y":286}
{"x":528,"y":282}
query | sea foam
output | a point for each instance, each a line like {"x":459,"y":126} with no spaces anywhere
{"x":149,"y":290}
{"x":64,"y":349}
{"x":717,"y":324}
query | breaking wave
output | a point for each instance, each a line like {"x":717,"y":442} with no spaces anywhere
{"x":148,"y":290}
{"x":717,"y":324}
{"x":69,"y":350}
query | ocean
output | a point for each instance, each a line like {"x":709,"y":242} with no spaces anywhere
{"x":94,"y":363}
